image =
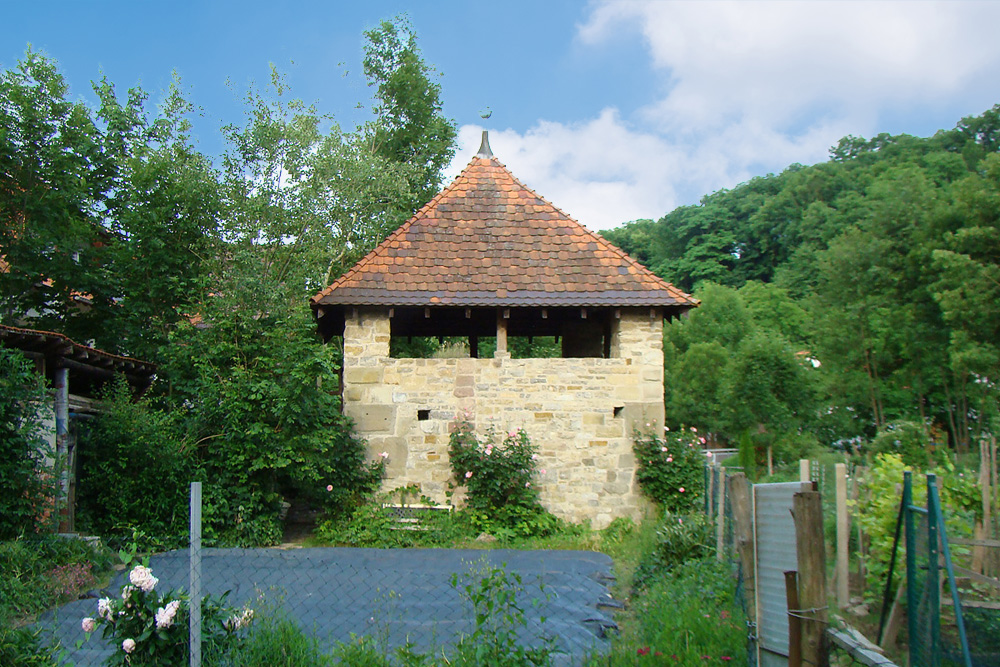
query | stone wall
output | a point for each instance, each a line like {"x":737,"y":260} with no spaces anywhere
{"x":580,"y":413}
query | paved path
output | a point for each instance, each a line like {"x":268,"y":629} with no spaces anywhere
{"x":397,"y":595}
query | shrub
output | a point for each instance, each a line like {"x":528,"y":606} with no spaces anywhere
{"x":26,"y":493}
{"x":147,"y":629}
{"x":135,"y":471}
{"x":493,"y":594}
{"x":910,"y":442}
{"x":671,"y":470}
{"x":499,"y":475}
{"x":678,"y":540}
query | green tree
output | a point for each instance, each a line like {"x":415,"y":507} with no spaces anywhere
{"x":54,"y":178}
{"x":27,"y":495}
{"x":409,"y":127}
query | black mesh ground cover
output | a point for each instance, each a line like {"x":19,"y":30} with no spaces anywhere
{"x":395,"y":595}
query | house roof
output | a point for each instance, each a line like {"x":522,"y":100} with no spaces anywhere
{"x":60,"y":351}
{"x":489,"y":240}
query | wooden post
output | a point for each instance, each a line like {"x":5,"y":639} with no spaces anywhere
{"x":720,"y":523}
{"x":843,"y":536}
{"x":811,"y":552}
{"x":804,"y":470}
{"x":742,"y":506}
{"x":794,"y":619}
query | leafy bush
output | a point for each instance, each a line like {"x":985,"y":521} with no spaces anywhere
{"x":878,"y":507}
{"x":678,"y":540}
{"x":500,"y":480}
{"x":135,"y":471}
{"x":493,"y":594}
{"x":910,"y":442}
{"x":277,"y":640}
{"x":671,"y":471}
{"x":26,"y":494}
{"x":148,"y":629}
{"x":689,"y":618}
{"x":264,"y":428}
{"x":38,"y":572}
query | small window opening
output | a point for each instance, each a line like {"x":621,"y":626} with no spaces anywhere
{"x":618,"y":410}
{"x":423,"y":415}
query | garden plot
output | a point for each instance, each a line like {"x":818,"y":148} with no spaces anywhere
{"x":392,"y":595}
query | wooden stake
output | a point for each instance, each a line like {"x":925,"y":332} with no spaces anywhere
{"x":811,"y":552}
{"x":794,"y":619}
{"x":741,"y":503}
{"x":843,"y":536}
{"x":720,"y":522}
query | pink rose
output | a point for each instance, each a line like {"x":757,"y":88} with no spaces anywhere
{"x":681,"y":489}
{"x":468,"y":474}
{"x":128,"y":645}
{"x":329,"y":487}
{"x":88,"y":624}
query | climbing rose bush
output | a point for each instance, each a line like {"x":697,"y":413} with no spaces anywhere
{"x":670,"y":470}
{"x":147,"y":629}
{"x":499,"y":473}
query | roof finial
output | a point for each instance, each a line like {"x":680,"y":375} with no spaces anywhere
{"x":484,"y":148}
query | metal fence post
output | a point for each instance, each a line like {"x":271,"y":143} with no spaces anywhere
{"x":195,"y":589}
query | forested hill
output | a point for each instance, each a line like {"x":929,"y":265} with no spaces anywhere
{"x":881,"y":264}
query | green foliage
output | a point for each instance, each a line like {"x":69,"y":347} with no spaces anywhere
{"x":275,"y":640}
{"x":499,"y":475}
{"x":39,"y":572}
{"x":28,"y":491}
{"x":264,"y":426}
{"x":679,"y":538}
{"x":25,"y":647}
{"x":410,"y":128}
{"x":671,"y":470}
{"x":149,"y":629}
{"x":493,"y":594}
{"x":135,"y":471}
{"x":878,"y":507}
{"x":688,"y":618}
{"x":910,"y":442}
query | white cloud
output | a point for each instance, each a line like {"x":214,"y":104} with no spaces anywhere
{"x":750,"y":87}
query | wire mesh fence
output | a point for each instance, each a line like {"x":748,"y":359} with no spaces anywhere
{"x":421,"y":598}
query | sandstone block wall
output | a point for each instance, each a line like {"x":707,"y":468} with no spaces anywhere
{"x":580,"y":413}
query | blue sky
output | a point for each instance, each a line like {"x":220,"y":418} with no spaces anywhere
{"x":612,"y":110}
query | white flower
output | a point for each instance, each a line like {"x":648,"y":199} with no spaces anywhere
{"x":468,"y":474}
{"x":237,"y":621}
{"x":126,"y":591}
{"x":128,"y":645}
{"x":534,"y":457}
{"x":384,"y":455}
{"x":88,"y":624}
{"x":142,"y":577}
{"x":165,"y":615}
{"x":104,"y":608}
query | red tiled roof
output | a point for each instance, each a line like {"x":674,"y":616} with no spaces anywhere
{"x":59,"y":345}
{"x":488,"y":240}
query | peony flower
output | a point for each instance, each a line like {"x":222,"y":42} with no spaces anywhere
{"x":663,"y":449}
{"x":165,"y":615}
{"x":88,"y":624}
{"x":142,"y":577}
{"x":527,"y":484}
{"x":489,"y":450}
{"x":670,"y":459}
{"x":128,"y":645}
{"x":104,"y":608}
{"x":126,"y":591}
{"x":384,"y":455}
{"x":468,"y":474}
{"x":512,"y":434}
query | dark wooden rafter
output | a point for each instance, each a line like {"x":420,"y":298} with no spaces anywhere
{"x":59,"y":351}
